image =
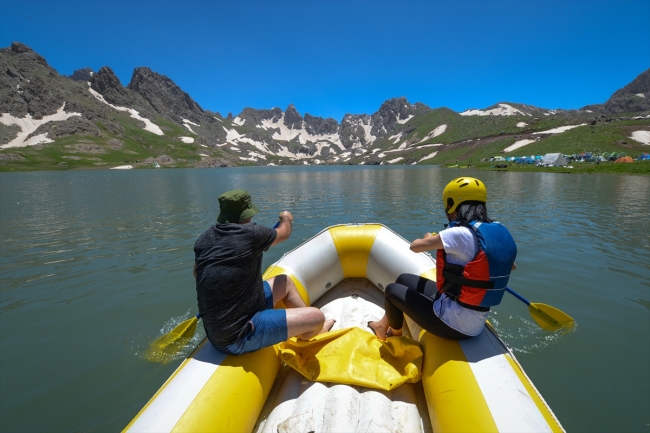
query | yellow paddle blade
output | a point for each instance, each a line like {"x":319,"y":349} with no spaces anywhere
{"x":172,"y":342}
{"x":550,"y":318}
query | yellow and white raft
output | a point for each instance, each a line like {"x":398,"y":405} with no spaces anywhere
{"x":475,"y":385}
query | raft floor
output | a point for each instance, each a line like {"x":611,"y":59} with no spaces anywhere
{"x":296,"y":404}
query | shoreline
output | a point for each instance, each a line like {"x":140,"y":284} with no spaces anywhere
{"x":635,"y":168}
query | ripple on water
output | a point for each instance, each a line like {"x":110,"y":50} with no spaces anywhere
{"x":523,"y":335}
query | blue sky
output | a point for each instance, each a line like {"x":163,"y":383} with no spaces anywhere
{"x":330,"y":58}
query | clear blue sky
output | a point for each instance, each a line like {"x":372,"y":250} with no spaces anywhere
{"x":333,"y":57}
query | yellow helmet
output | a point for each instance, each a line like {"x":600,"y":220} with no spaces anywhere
{"x":463,"y":189}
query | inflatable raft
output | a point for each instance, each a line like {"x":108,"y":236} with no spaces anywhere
{"x":475,"y":385}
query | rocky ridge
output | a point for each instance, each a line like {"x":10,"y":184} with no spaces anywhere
{"x":634,"y":97}
{"x":153,"y":117}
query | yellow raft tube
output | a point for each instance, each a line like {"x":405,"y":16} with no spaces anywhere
{"x":475,"y":385}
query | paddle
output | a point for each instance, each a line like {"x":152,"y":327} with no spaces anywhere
{"x":547,"y":317}
{"x":169,"y":343}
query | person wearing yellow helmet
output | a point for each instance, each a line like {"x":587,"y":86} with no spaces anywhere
{"x":475,"y":256}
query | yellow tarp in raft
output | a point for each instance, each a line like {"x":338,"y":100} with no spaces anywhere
{"x":355,"y":357}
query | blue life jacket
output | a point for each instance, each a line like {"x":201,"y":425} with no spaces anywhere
{"x":479,"y":284}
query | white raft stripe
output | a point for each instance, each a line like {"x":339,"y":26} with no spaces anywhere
{"x":385,"y":265}
{"x":499,"y":384}
{"x":300,"y":262}
{"x":169,"y":406}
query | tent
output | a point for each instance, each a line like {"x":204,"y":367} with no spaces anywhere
{"x":554,"y":159}
{"x":624,"y":159}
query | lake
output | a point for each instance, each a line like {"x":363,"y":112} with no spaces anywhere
{"x":96,"y":264}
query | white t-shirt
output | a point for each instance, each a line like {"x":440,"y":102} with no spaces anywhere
{"x":461,"y":245}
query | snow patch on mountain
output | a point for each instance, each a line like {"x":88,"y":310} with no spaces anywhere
{"x":428,"y":145}
{"x":403,"y":121}
{"x":436,"y":132}
{"x":429,"y":156}
{"x":187,"y":140}
{"x":501,"y":110}
{"x":234,"y":137}
{"x":28,"y":125}
{"x":517,"y":145}
{"x":393,"y":161}
{"x":396,"y":137}
{"x":641,"y":95}
{"x":238,"y":121}
{"x":521,"y":124}
{"x":148,"y":124}
{"x":187,"y":123}
{"x":560,"y":129}
{"x":287,"y":134}
{"x":641,"y":136}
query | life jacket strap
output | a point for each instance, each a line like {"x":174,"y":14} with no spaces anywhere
{"x":479,"y":284}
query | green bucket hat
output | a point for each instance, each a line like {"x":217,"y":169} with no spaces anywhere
{"x":235,"y":206}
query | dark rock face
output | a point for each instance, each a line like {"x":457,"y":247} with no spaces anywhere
{"x":255,"y":117}
{"x":627,"y":99}
{"x":292,"y":118}
{"x":84,"y":74}
{"x":18,"y":47}
{"x":164,"y":96}
{"x":28,"y":85}
{"x":351,"y":132}
{"x":106,"y":82}
{"x":319,"y":126}
{"x":385,"y":120}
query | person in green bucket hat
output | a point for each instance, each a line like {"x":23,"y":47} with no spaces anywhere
{"x":236,"y":305}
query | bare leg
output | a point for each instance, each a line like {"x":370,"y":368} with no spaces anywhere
{"x":302,"y":321}
{"x":285,"y":290}
{"x":307,"y":322}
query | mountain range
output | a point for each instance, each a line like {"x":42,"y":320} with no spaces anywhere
{"x":91,"y":120}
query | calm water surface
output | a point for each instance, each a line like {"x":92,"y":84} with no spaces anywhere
{"x":96,"y":264}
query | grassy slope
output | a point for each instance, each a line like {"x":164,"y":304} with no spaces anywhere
{"x":138,"y":144}
{"x":602,"y":137}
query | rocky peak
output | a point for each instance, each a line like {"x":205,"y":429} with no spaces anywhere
{"x":164,"y":95}
{"x":18,"y":47}
{"x":632,"y":98}
{"x":640,"y":84}
{"x":27,"y":55}
{"x":106,"y":82}
{"x":84,"y":74}
{"x":292,"y":118}
{"x":28,"y":85}
{"x":255,"y":117}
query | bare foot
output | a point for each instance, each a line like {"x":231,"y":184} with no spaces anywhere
{"x":379,"y":329}
{"x":394,"y":332}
